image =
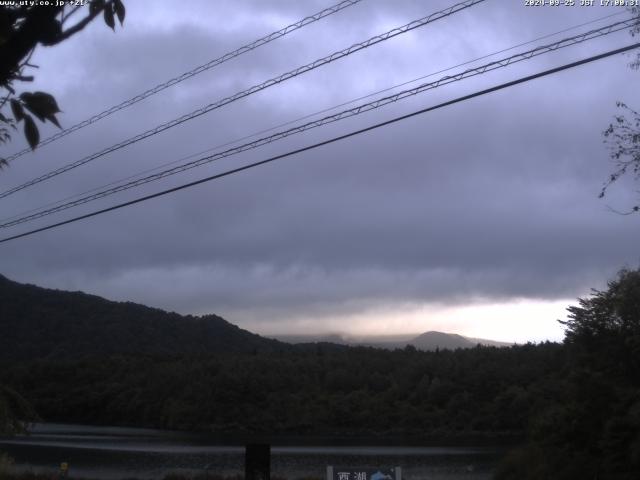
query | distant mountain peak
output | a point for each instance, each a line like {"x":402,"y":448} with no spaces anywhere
{"x":437,"y":334}
{"x":430,"y":340}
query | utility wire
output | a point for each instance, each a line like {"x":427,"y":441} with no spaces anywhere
{"x":329,"y":141}
{"x":192,"y":73}
{"x":305,"y":117}
{"x":596,"y":33}
{"x":256,"y":88}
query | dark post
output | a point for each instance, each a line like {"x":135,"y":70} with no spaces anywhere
{"x":257,"y":462}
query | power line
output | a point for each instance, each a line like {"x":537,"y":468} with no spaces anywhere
{"x":332,"y":118}
{"x":304,"y":117}
{"x":590,"y":35}
{"x":192,"y":73}
{"x":329,"y":141}
{"x":310,"y":115}
{"x":256,"y":88}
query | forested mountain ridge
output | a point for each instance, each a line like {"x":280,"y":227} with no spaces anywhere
{"x":432,"y":340}
{"x":427,"y":341}
{"x":37,"y":322}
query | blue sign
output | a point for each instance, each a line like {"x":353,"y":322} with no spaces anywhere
{"x":363,"y":473}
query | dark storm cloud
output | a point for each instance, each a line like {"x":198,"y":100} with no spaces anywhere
{"x":493,"y":198}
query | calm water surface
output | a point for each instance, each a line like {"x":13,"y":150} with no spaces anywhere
{"x":111,"y":452}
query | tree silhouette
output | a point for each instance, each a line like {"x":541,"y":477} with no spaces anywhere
{"x":22,"y":29}
{"x":591,"y":426}
{"x":623,"y":135}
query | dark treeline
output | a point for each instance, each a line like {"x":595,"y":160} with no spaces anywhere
{"x":43,"y":323}
{"x":319,"y":389}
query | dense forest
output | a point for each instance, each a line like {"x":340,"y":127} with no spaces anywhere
{"x":575,"y":406}
{"x":37,"y":322}
{"x":314,"y":390}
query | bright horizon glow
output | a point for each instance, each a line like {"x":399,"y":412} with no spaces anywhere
{"x":518,"y":321}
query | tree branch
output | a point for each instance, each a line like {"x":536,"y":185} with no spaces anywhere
{"x":81,"y":24}
{"x":18,"y":45}
{"x":66,"y":17}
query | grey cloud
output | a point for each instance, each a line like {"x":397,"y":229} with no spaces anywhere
{"x":494,"y":198}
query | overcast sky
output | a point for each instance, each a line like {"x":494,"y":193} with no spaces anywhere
{"x":481,"y":218}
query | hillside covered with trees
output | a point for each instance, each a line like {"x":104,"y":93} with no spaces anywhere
{"x":308,"y":390}
{"x":575,"y":406}
{"x":37,"y":322}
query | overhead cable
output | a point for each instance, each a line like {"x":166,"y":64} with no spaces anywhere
{"x":256,"y":88}
{"x":327,"y":142}
{"x":304,"y":117}
{"x":192,"y":73}
{"x":472,"y":72}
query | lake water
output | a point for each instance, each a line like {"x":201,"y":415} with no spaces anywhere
{"x":116,"y":453}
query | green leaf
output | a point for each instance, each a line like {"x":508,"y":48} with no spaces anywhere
{"x":52,"y":118}
{"x":41,"y":104}
{"x":31,"y":132}
{"x":118,"y":6}
{"x":50,"y":31}
{"x":16,"y":108}
{"x":49,"y":100}
{"x":108,"y":16}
